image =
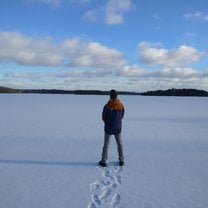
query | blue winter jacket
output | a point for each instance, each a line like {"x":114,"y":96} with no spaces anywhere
{"x":112,"y":115}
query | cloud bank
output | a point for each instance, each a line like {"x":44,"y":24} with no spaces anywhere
{"x":25,"y":50}
{"x":168,"y":58}
{"x":89,"y":64}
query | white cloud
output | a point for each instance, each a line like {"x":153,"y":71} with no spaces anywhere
{"x":138,"y":72}
{"x":132,"y":71}
{"x":115,"y":10}
{"x":177,"y":73}
{"x":91,"y":16}
{"x":197,"y":16}
{"x":184,"y":54}
{"x":111,"y":14}
{"x":25,"y":50}
{"x":93,"y":54}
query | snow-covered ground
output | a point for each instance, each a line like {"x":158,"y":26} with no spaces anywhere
{"x":50,"y":146}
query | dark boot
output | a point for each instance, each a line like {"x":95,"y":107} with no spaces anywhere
{"x":121,"y":163}
{"x":102,"y":163}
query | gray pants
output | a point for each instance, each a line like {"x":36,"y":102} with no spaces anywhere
{"x":106,"y":146}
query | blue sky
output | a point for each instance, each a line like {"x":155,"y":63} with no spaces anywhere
{"x":134,"y":45}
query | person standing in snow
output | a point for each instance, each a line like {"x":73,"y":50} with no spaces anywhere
{"x":112,"y":115}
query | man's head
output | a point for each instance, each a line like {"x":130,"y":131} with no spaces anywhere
{"x":113,"y":94}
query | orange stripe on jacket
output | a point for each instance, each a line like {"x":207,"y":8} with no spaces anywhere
{"x":115,"y":104}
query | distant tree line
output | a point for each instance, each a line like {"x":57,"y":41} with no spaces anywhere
{"x":177,"y":92}
{"x":169,"y":92}
{"x":7,"y":90}
{"x":55,"y":91}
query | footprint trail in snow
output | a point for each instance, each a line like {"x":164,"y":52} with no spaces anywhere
{"x":105,"y":191}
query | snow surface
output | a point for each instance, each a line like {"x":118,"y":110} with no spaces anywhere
{"x":50,"y":146}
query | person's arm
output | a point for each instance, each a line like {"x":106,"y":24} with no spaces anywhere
{"x":123,"y":112}
{"x":104,"y":114}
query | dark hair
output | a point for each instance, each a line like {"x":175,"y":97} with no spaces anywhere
{"x":113,"y":94}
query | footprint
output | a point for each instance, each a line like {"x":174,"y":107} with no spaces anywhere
{"x":95,"y":199}
{"x":105,"y":190}
{"x":94,"y":186}
{"x":116,"y":199}
{"x":105,"y":193}
{"x":107,"y":183}
{"x":118,"y":179}
{"x":91,"y":205}
{"x":102,"y":182}
{"x":107,"y":174}
{"x":114,"y":185}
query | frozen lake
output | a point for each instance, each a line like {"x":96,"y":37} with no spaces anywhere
{"x":50,"y":146}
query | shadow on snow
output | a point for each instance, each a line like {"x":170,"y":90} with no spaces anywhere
{"x":49,"y":163}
